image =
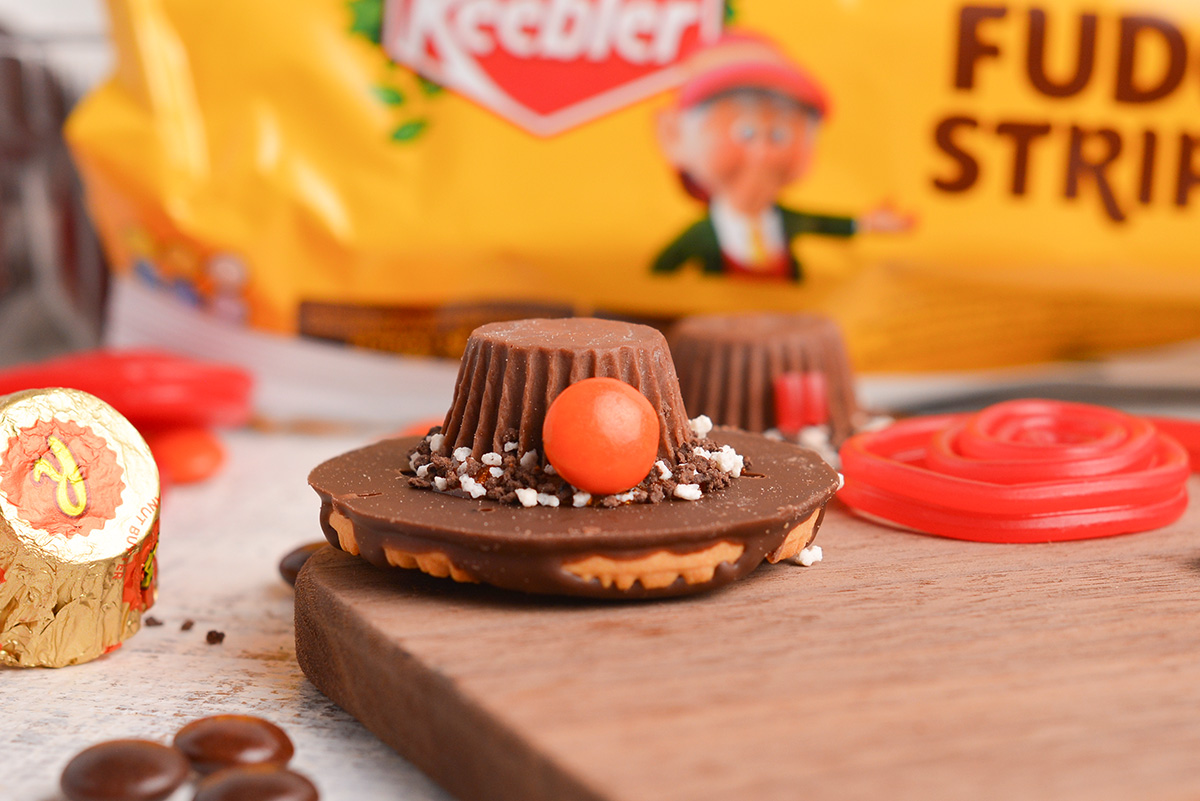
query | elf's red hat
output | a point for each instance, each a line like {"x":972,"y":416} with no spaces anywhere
{"x":745,"y":61}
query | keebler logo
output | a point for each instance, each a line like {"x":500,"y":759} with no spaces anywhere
{"x":549,"y":65}
{"x":61,"y":477}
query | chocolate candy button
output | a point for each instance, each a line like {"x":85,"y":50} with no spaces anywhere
{"x":223,"y":741}
{"x":128,"y":770}
{"x":256,"y":783}
{"x":289,"y":565}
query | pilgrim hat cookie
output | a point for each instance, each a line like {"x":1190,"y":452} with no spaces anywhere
{"x":776,"y":372}
{"x":567,"y":465}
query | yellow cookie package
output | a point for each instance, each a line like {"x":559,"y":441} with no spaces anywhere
{"x":959,"y":185}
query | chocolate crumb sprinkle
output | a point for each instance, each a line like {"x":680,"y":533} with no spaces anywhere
{"x":215,"y":637}
{"x":151,"y":621}
{"x":701,"y":462}
{"x":187,"y":625}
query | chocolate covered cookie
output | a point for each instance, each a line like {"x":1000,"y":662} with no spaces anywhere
{"x":630,"y":551}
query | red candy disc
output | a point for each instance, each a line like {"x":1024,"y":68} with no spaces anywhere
{"x":1020,"y":471}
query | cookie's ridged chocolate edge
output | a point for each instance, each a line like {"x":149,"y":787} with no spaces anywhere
{"x":509,"y":385}
{"x":544,"y":574}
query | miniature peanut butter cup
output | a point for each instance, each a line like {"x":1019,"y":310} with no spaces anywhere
{"x":714,"y":506}
{"x":511,"y":372}
{"x":729,"y":364}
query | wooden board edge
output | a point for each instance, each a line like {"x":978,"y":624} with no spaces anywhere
{"x":414,"y":710}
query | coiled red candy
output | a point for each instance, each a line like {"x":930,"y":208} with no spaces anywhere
{"x":1019,"y":471}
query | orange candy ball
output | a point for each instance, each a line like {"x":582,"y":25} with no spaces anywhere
{"x":421,"y":427}
{"x":185,"y":454}
{"x":601,"y":435}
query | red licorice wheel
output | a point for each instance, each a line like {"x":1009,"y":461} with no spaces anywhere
{"x":1185,"y":432}
{"x":151,"y":388}
{"x":1020,"y":471}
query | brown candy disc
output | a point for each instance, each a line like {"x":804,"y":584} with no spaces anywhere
{"x":223,"y":741}
{"x":290,"y":564}
{"x":124,"y":770}
{"x":256,"y":783}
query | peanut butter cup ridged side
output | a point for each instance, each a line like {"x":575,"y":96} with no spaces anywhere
{"x":512,"y":371}
{"x":727,"y":365}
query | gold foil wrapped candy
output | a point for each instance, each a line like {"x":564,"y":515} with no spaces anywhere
{"x":79,"y":497}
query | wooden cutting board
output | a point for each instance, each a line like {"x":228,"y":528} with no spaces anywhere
{"x":901,"y":667}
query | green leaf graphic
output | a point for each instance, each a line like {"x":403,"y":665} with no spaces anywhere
{"x":368,"y":19}
{"x":429,"y":87}
{"x":409,"y":131}
{"x":388,"y":94}
{"x":730,"y":11}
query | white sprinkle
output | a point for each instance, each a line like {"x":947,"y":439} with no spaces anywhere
{"x":815,"y":437}
{"x":809,"y":556}
{"x":439,"y":483}
{"x":412,"y":461}
{"x":463,"y":469}
{"x":664,"y":472}
{"x":581,"y":499}
{"x":437,"y":442}
{"x":702,"y":452}
{"x":841,"y":481}
{"x":775,"y":434}
{"x":527,"y":496}
{"x":472,"y":487}
{"x":729,"y":460}
{"x":701,"y":425}
{"x":423,"y":470}
{"x":625,"y":497}
{"x":546,"y":499}
{"x":492,"y":458}
{"x":688,"y":492}
{"x":549,"y":470}
{"x":529,"y":460}
{"x":461,"y":454}
{"x":509,"y":447}
{"x":496,"y":471}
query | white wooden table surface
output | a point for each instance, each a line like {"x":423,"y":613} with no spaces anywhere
{"x":218,"y":559}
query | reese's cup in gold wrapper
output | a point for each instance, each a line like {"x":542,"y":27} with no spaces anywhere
{"x":79,"y":497}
